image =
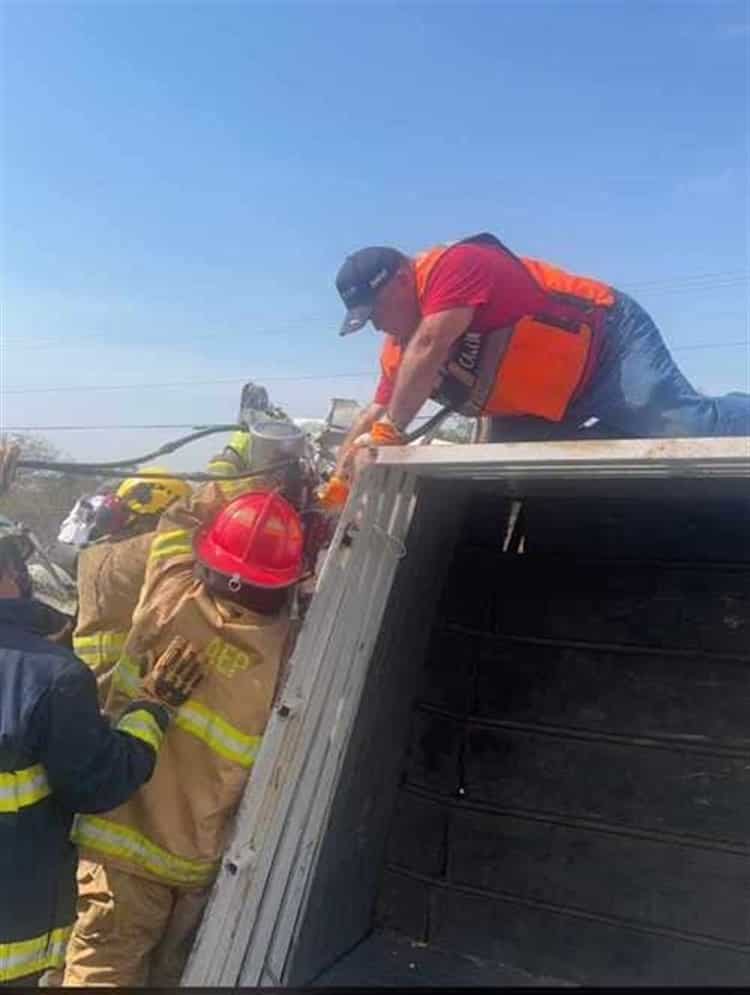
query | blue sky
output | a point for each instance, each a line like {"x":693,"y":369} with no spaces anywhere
{"x":181,"y":181}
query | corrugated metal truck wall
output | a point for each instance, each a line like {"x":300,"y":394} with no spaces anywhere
{"x":574,"y":800}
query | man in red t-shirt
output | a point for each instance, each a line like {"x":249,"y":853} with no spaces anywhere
{"x":630,"y":383}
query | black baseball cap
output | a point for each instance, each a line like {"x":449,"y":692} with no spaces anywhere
{"x":360,"y":278}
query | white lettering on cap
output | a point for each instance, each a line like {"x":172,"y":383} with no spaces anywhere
{"x":378,"y":278}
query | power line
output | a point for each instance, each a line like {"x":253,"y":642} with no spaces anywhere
{"x":698,"y":282}
{"x":697,"y":279}
{"x":101,"y":428}
{"x":279,"y":328}
{"x":87,"y":388}
{"x":84,"y":341}
{"x":87,"y":428}
{"x":710,"y":345}
{"x":693,"y":288}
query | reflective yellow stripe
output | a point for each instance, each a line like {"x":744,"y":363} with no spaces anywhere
{"x":110,"y":838}
{"x":127,"y":676}
{"x":221,"y":737}
{"x":175,"y":543}
{"x":143,"y":726}
{"x":30,"y":956}
{"x":233,"y":488}
{"x":221,"y":467}
{"x":182,"y":549}
{"x":21,"y":788}
{"x":240,"y":442}
{"x":100,"y":649}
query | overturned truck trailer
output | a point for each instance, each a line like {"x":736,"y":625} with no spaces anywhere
{"x":514,"y":745}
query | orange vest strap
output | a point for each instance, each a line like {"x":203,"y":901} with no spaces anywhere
{"x":390,"y":357}
{"x":424,"y":264}
{"x":558,"y":282}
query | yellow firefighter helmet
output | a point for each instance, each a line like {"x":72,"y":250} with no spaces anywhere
{"x":153,"y":494}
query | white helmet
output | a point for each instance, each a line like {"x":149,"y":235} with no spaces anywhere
{"x":55,"y":590}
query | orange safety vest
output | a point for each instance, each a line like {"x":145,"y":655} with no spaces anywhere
{"x":532,"y":367}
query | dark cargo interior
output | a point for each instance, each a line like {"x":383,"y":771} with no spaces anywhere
{"x":549,"y":784}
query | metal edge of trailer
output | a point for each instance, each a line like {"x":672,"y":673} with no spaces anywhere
{"x":265,"y":875}
{"x":348,"y":661}
{"x":574,"y":460}
{"x":295,"y":758}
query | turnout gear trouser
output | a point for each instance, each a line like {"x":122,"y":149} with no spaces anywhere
{"x":130,"y":932}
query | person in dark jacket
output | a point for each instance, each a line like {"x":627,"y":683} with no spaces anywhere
{"x":58,"y":756}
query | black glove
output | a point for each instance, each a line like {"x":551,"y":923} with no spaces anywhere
{"x":174,"y":677}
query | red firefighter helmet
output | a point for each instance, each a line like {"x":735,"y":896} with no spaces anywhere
{"x":256,"y":539}
{"x":111,"y":516}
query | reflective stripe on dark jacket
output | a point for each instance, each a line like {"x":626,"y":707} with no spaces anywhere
{"x":58,"y":756}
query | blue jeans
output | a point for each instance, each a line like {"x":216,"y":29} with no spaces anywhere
{"x":637,"y":391}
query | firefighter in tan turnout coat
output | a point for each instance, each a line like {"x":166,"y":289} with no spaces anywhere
{"x":110,"y":571}
{"x":218,"y":580}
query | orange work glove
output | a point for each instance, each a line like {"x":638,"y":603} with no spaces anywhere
{"x":174,"y":676}
{"x":333,"y":494}
{"x":385,"y":433}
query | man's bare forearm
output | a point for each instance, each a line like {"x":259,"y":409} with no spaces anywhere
{"x":418,"y":372}
{"x":422,"y":360}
